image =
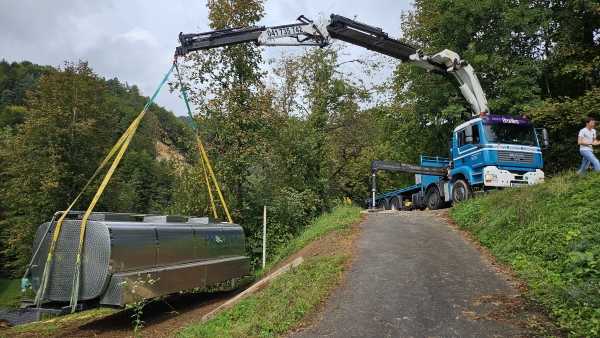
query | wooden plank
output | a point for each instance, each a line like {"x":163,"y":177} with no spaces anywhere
{"x":253,"y":289}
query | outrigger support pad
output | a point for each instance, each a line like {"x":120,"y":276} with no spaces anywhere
{"x":58,"y":308}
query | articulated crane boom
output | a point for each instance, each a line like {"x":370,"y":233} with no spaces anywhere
{"x":443,"y":63}
{"x":306,"y":33}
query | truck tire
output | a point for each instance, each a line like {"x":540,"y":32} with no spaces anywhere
{"x":460,"y":191}
{"x":396,"y":203}
{"x":382,"y":204}
{"x":433,"y":200}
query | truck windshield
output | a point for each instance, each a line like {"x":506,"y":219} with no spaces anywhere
{"x":510,"y":133}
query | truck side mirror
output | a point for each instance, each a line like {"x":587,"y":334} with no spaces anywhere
{"x":469,"y":134}
{"x":545,"y":138}
{"x":545,"y":143}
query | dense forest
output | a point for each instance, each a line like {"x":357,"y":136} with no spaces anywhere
{"x":298,"y":138}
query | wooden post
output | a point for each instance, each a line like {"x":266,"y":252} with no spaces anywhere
{"x":264,"y":236}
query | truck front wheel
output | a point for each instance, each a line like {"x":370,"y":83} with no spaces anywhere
{"x":433,"y":199}
{"x":460,"y":191}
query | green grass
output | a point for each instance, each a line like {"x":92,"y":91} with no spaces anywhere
{"x":56,"y":324}
{"x":278,"y":308}
{"x":339,"y":218}
{"x":550,"y":235}
{"x":9,"y":289}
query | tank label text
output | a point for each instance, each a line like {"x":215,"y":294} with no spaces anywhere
{"x":218,"y":238}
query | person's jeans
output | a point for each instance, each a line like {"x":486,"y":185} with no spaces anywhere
{"x":588,"y":157}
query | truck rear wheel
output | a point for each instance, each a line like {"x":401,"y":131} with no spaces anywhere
{"x":433,"y":200}
{"x":396,"y":203}
{"x":460,"y":191}
{"x":382,"y":204}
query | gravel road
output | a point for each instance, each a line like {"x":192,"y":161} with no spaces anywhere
{"x":413,"y":276}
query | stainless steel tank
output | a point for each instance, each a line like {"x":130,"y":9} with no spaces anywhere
{"x":180,"y":253}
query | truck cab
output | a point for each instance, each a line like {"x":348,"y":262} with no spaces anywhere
{"x":493,"y":151}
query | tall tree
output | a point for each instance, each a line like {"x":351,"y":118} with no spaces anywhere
{"x":229,"y":98}
{"x":574,"y":47}
{"x":53,"y":154}
{"x":326,"y":130}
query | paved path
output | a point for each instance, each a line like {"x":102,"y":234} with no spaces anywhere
{"x":413,"y":276}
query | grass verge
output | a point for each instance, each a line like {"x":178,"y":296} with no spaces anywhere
{"x":53,"y":326}
{"x":549,"y":235}
{"x":280,"y":307}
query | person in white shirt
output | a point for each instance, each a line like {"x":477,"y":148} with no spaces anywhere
{"x":587,"y":139}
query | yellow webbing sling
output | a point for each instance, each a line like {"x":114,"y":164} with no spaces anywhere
{"x":111,"y":170}
{"x":204,"y":157}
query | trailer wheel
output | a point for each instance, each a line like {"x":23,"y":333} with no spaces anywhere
{"x":396,"y":203}
{"x":433,"y":200}
{"x":382,"y":204}
{"x":460,"y":191}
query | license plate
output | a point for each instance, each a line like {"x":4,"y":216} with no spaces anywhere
{"x":518,"y":184}
{"x":283,"y":31}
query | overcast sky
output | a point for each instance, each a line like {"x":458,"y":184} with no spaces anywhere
{"x":134,"y":40}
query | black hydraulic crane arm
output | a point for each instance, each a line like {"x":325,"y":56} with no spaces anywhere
{"x":303,"y":33}
{"x":408,"y":168}
{"x":215,"y":39}
{"x":444,"y":62}
{"x":369,"y":37}
{"x":306,"y":33}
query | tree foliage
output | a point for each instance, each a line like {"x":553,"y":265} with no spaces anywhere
{"x":17,"y":78}
{"x":48,"y":160}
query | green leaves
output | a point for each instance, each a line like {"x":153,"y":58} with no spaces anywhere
{"x":45,"y":161}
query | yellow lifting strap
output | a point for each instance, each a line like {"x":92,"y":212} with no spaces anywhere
{"x":46,"y":273}
{"x":212,"y":174}
{"x":204,"y":157}
{"x":111,"y":170}
{"x":212,"y":199}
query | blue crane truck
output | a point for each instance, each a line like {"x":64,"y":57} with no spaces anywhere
{"x":486,"y":152}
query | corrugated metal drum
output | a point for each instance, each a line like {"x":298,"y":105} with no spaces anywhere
{"x":184,"y":254}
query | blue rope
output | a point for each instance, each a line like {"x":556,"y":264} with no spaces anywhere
{"x":159,"y":87}
{"x":185,"y":98}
